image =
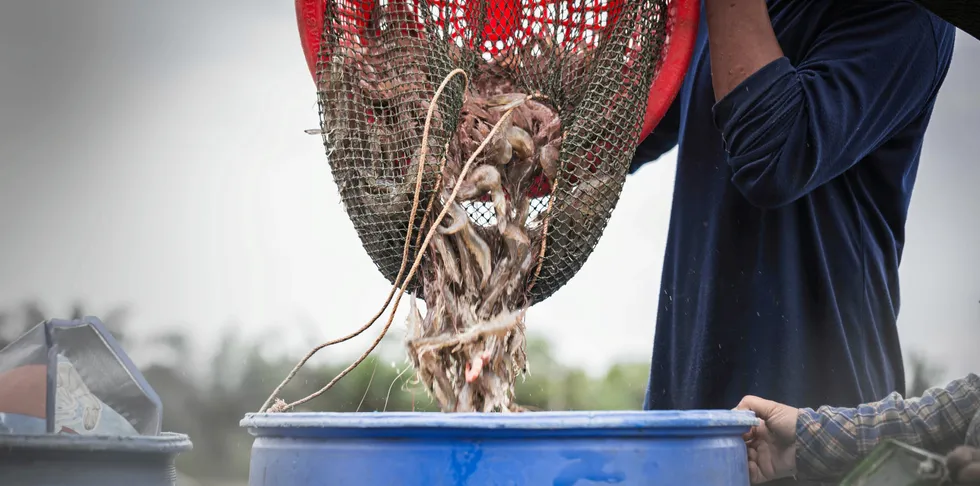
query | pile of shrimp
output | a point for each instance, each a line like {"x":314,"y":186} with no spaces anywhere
{"x":469,"y":347}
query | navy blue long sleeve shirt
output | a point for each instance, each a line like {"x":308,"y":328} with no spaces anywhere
{"x":780,"y":275}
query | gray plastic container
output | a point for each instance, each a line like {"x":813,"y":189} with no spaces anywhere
{"x":76,"y":460}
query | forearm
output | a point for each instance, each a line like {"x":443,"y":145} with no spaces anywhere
{"x":831,"y":441}
{"x":741,"y":41}
{"x":790,"y":127}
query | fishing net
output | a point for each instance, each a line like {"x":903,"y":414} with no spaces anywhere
{"x":488,"y":141}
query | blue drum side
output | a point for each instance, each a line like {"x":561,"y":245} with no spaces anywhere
{"x":564,"y":449}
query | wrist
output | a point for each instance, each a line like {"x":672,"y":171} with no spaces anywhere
{"x":792,"y":444}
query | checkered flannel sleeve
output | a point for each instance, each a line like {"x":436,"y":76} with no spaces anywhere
{"x":831,"y":440}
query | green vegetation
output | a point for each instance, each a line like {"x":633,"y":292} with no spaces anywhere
{"x":208,"y":403}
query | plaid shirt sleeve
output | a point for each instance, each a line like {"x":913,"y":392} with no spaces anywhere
{"x":831,"y":441}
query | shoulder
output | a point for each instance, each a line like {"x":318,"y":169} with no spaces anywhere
{"x":893,"y":30}
{"x":900,"y":19}
{"x":944,"y":34}
{"x":888,"y":18}
{"x":927,"y":24}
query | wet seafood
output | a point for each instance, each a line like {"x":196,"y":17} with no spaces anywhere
{"x":468,"y":348}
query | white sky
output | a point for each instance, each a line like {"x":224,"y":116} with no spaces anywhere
{"x":176,"y":178}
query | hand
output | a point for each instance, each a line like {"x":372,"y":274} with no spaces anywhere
{"x":772,"y":444}
{"x":964,"y":465}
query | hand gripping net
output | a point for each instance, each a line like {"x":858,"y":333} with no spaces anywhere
{"x":521,"y":118}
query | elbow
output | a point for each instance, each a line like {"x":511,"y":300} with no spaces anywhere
{"x":640,"y":161}
{"x":764,"y":196}
{"x":782,"y":166}
{"x":651,"y":149}
{"x":773,"y":171}
{"x":767,"y":133}
{"x":636,"y":163}
{"x":764,"y":186}
{"x":643,"y":157}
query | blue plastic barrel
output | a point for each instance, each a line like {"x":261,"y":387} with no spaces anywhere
{"x":698,"y":448}
{"x":78,"y":460}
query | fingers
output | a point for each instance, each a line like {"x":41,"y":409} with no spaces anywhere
{"x":755,"y":472}
{"x":961,"y":456}
{"x":964,"y":465}
{"x":969,"y":474}
{"x":763,"y":408}
{"x":761,"y":469}
{"x":779,"y":420}
{"x":757,"y":433}
{"x":755,"y":475}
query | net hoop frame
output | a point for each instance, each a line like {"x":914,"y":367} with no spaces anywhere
{"x":683,"y":18}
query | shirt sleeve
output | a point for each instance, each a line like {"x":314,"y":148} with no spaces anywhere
{"x":661,"y":140}
{"x":789,"y":129}
{"x":831,"y":441}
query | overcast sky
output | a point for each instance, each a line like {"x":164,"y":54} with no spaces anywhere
{"x":152,"y":154}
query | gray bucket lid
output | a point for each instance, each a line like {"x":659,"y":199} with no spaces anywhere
{"x":165,"y":444}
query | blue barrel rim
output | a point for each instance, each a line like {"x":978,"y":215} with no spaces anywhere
{"x":531,"y":422}
{"x":165,"y":443}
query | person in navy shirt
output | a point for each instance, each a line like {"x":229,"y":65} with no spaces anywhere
{"x":799,"y":128}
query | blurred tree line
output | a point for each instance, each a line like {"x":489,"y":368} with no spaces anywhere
{"x":208,"y":404}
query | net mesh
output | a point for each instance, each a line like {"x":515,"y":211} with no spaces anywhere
{"x":589,"y":63}
{"x":513,"y":123}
